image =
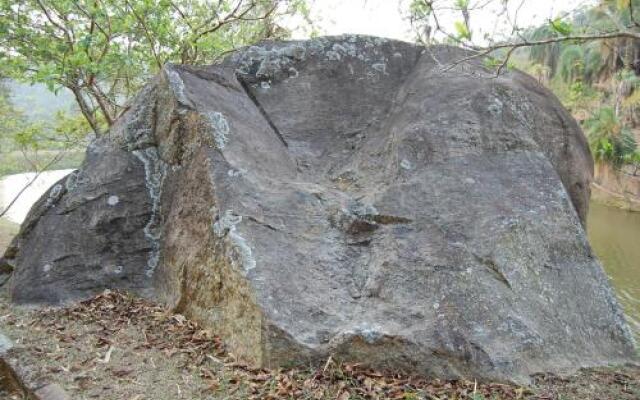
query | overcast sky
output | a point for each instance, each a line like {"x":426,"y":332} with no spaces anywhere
{"x":387,"y":17}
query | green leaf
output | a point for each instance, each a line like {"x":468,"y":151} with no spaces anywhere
{"x":462,"y":32}
{"x":562,"y":27}
{"x":119,"y":45}
{"x":420,"y":9}
{"x":462,"y":4}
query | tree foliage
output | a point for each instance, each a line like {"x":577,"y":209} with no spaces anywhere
{"x":589,"y":56}
{"x":11,"y":119}
{"x":17,"y":132}
{"x":104,"y":50}
{"x":609,"y":139}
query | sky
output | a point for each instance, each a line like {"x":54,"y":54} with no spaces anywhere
{"x":387,"y":18}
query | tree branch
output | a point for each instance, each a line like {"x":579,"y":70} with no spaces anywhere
{"x":633,"y":18}
{"x":55,"y":23}
{"x":513,"y":46}
{"x":85,"y":109}
{"x":25,"y":187}
{"x":147,"y":33}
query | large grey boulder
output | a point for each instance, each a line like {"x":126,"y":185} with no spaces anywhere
{"x":342,"y":196}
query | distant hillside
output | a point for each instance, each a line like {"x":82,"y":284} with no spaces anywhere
{"x":37,"y":102}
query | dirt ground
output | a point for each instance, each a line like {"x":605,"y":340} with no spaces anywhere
{"x":116,"y":346}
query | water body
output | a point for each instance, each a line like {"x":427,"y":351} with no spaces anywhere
{"x":27,"y":187}
{"x":615,"y":237}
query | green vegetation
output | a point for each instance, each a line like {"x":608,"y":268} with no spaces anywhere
{"x":33,"y":145}
{"x":610,"y":141}
{"x":15,"y":162}
{"x":104,"y":51}
{"x":101,"y":53}
{"x":596,"y":80}
{"x":590,"y":57}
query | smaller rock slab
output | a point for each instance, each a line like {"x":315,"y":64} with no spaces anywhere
{"x":51,"y":392}
{"x":18,"y":377}
{"x":5,"y":344}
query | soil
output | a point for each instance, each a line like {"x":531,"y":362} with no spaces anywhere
{"x":117,"y":346}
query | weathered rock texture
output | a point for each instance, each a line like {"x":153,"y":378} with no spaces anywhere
{"x":342,"y":196}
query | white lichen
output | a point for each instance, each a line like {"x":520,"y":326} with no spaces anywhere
{"x":518,"y":104}
{"x":113,"y":200}
{"x":277,"y":63}
{"x":295,"y":52}
{"x":269,"y":63}
{"x":220,"y":128}
{"x":226,"y":226}
{"x":370,"y":334}
{"x":333,"y":55}
{"x":226,"y":223}
{"x":154,"y":171}
{"x":360,"y":209}
{"x":232,"y":173}
{"x":177,"y":85}
{"x":72,"y":181}
{"x":54,"y":195}
{"x":406,"y":164}
{"x":380,"y":67}
{"x":495,"y":108}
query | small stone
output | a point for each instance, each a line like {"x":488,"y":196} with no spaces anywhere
{"x":51,"y":391}
{"x":113,"y":200}
{"x":5,"y":344}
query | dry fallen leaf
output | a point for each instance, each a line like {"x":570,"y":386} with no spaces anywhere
{"x":107,"y":356}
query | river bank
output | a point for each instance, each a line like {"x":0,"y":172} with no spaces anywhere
{"x":619,"y":188}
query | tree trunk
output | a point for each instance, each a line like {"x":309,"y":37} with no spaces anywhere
{"x":85,"y":109}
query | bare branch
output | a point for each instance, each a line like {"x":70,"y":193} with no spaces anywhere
{"x":513,"y":46}
{"x":25,"y":187}
{"x":150,"y":38}
{"x":633,"y":18}
{"x":85,"y":109}
{"x":55,"y":23}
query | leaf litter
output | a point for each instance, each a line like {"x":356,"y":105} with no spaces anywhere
{"x":118,"y":346}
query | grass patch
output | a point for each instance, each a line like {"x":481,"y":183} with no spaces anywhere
{"x":8,"y":230}
{"x":14,"y":162}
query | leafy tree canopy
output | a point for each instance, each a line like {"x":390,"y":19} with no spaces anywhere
{"x":589,"y":56}
{"x":104,"y":50}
